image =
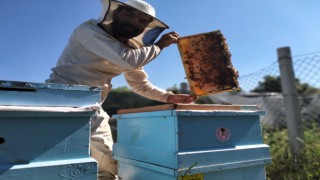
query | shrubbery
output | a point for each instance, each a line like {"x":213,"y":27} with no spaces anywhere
{"x":124,"y":98}
{"x":306,"y":165}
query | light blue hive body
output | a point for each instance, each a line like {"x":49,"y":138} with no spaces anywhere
{"x":172,"y":144}
{"x":45,"y":131}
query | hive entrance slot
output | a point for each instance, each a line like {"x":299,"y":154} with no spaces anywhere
{"x":17,"y":89}
{"x":2,"y":140}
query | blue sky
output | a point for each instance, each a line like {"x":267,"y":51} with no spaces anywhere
{"x":33,"y":33}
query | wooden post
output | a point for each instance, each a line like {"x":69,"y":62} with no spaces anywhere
{"x":289,"y":91}
{"x":184,"y":88}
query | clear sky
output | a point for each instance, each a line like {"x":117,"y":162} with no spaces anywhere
{"x":33,"y":33}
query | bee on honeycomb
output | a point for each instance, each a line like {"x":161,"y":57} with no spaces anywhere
{"x":207,"y":62}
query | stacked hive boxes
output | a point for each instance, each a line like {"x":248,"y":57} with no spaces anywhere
{"x":191,"y":142}
{"x":45,"y":131}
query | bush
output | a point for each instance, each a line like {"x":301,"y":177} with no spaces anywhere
{"x":124,"y":98}
{"x":304,"y":166}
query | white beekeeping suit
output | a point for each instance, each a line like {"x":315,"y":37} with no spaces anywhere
{"x":99,"y":56}
{"x":93,"y":57}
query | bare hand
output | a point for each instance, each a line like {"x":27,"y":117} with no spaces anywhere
{"x":168,"y":39}
{"x":181,"y":98}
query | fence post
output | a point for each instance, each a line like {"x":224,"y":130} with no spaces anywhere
{"x":291,"y":102}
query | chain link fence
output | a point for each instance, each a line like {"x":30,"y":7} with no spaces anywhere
{"x":263,"y":88}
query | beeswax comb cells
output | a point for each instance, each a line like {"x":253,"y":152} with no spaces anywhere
{"x":207,"y":63}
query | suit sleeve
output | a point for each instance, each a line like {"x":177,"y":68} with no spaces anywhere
{"x":138,"y":81}
{"x":98,"y":42}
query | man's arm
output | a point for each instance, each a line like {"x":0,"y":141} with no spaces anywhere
{"x":98,"y":42}
{"x":138,"y":81}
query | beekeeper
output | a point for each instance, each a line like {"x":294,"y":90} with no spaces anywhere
{"x":120,"y":41}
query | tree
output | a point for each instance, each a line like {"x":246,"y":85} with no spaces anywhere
{"x":270,"y":84}
{"x":273,"y":84}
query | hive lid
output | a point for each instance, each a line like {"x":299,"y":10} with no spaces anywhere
{"x":207,"y":63}
{"x":207,"y":107}
{"x":14,"y":93}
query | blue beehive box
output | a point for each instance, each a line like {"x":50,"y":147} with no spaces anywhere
{"x":191,"y":142}
{"x":44,"y":94}
{"x":45,"y":131}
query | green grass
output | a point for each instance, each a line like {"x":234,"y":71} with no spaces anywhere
{"x":304,"y":166}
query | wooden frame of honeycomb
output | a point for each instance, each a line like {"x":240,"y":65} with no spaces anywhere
{"x":207,"y":63}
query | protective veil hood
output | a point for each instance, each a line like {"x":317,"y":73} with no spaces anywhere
{"x":153,"y":30}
